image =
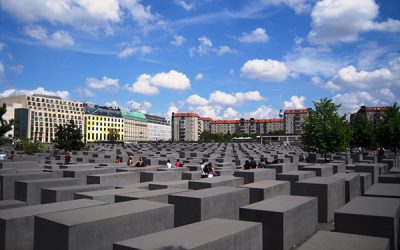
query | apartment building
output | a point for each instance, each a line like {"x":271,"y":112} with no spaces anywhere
{"x":135,"y":126}
{"x":185,"y":127}
{"x":373,"y":114}
{"x":100,"y":120}
{"x":293,"y":119}
{"x":269,"y":126}
{"x":158,"y":128}
{"x":37,"y":116}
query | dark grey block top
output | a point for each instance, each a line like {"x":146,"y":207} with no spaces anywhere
{"x":281,"y":203}
{"x":385,"y":189}
{"x":111,"y":191}
{"x":218,"y":179}
{"x":149,"y":193}
{"x":341,"y":241}
{"x":208,"y":192}
{"x":298,"y":172}
{"x":13,"y":213}
{"x":115,"y":174}
{"x":321,"y":180}
{"x":85,"y":215}
{"x":79,"y":187}
{"x":257,"y":170}
{"x":318,"y":166}
{"x":166,"y":183}
{"x":375,"y":206}
{"x":264,"y":184}
{"x":347,"y":176}
{"x":48,"y":180}
{"x":190,"y":236}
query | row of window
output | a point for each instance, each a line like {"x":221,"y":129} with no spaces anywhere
{"x":48,"y":100}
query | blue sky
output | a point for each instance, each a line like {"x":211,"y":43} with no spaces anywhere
{"x":221,"y":59}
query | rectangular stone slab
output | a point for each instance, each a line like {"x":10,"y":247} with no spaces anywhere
{"x":113,"y":179}
{"x":97,"y":228}
{"x":30,"y":190}
{"x":159,"y":195}
{"x":169,"y":184}
{"x":388,"y":190}
{"x":262,"y":190}
{"x":254,"y":175}
{"x":353,"y":184}
{"x":218,"y":202}
{"x":7,"y":181}
{"x":330,"y":192}
{"x":105,"y":195}
{"x":294,"y":176}
{"x":320,"y":170}
{"x":83,"y":173}
{"x":287,"y":220}
{"x":5,"y":204}
{"x":341,"y":241}
{"x":17,"y":224}
{"x":371,"y":216}
{"x":160,"y":176}
{"x":217,"y":181}
{"x":57,"y":194}
{"x":368,"y":168}
{"x":210,"y":234}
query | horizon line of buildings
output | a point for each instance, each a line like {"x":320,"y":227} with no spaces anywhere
{"x":37,"y":116}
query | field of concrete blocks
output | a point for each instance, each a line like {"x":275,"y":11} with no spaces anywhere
{"x":350,"y":202}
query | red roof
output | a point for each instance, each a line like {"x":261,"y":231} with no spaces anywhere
{"x":297,"y":111}
{"x":206,"y":119}
{"x":269,"y":120}
{"x":186,"y":115}
{"x":224,"y":121}
{"x":376,"y":108}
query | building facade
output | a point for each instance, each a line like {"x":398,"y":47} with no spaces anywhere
{"x":293,"y":118}
{"x":45,"y":114}
{"x":185,"y":127}
{"x":158,"y":128}
{"x":100,"y":121}
{"x":373,"y":114}
{"x":135,"y":126}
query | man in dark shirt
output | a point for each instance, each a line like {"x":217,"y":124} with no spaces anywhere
{"x":253,"y":163}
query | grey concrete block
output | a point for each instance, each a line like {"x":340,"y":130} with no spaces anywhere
{"x":184,"y":184}
{"x":99,"y":227}
{"x":389,"y":178}
{"x":366,"y":181}
{"x":210,"y":234}
{"x":283,"y":167}
{"x":7,"y":182}
{"x":262,"y":190}
{"x":371,"y":216}
{"x":353,"y":184}
{"x":30,"y":190}
{"x":254,"y":175}
{"x":388,"y":190}
{"x":57,"y":194}
{"x":114,"y":179}
{"x":17,"y":224}
{"x":321,"y":170}
{"x":192,"y":175}
{"x":287,"y":220}
{"x":83,"y":173}
{"x":105,"y":195}
{"x":218,"y":202}
{"x":5,"y":204}
{"x":294,"y":176}
{"x":217,"y":181}
{"x":368,"y":168}
{"x":160,"y":176}
{"x":330,"y":192}
{"x":342,"y":241}
{"x":160,"y":195}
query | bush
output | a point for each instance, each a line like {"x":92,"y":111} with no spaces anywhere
{"x":30,"y":147}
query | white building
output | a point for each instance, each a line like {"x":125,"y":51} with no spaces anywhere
{"x":158,"y":129}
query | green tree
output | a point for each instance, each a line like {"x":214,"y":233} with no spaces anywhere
{"x":205,"y":136}
{"x":69,"y":137}
{"x":324,"y":130}
{"x":30,"y":147}
{"x":388,"y":130}
{"x":5,"y":126}
{"x":362,"y":132}
{"x":113,"y":135}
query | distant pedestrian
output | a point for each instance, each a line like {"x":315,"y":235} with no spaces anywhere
{"x":67,"y":158}
{"x":252,"y":163}
{"x":169,"y":165}
{"x":140,"y":163}
{"x":178,"y":163}
{"x":262,"y":164}
{"x":246,"y":164}
{"x":130,"y":161}
{"x":381,"y":153}
{"x":117,"y":160}
{"x":208,"y":171}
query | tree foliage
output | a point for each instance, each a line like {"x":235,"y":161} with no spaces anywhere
{"x":388,"y":131}
{"x":30,"y":147}
{"x":68,"y":137}
{"x":362,"y":132}
{"x":5,"y":126}
{"x":113,"y":135}
{"x":324,"y":130}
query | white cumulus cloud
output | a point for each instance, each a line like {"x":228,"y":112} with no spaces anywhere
{"x":197,"y":100}
{"x":258,"y":35}
{"x":265,"y":70}
{"x":57,"y":39}
{"x":231,"y":113}
{"x":262,"y":112}
{"x":40,"y":90}
{"x":222,"y":98}
{"x":149,"y":85}
{"x":295,"y":103}
{"x":206,"y":47}
{"x":199,"y":77}
{"x":178,"y":40}
{"x":141,"y":50}
{"x":342,"y":20}
{"x":103,"y":83}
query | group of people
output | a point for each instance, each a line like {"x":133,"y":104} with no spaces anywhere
{"x":251,"y":163}
{"x":129,"y":162}
{"x":178,"y":164}
{"x":207,"y":170}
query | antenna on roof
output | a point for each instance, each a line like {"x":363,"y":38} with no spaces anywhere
{"x":280,"y":110}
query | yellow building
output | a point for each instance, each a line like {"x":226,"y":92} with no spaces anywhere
{"x":99,"y":121}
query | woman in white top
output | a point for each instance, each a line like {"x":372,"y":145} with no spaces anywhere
{"x":169,"y":164}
